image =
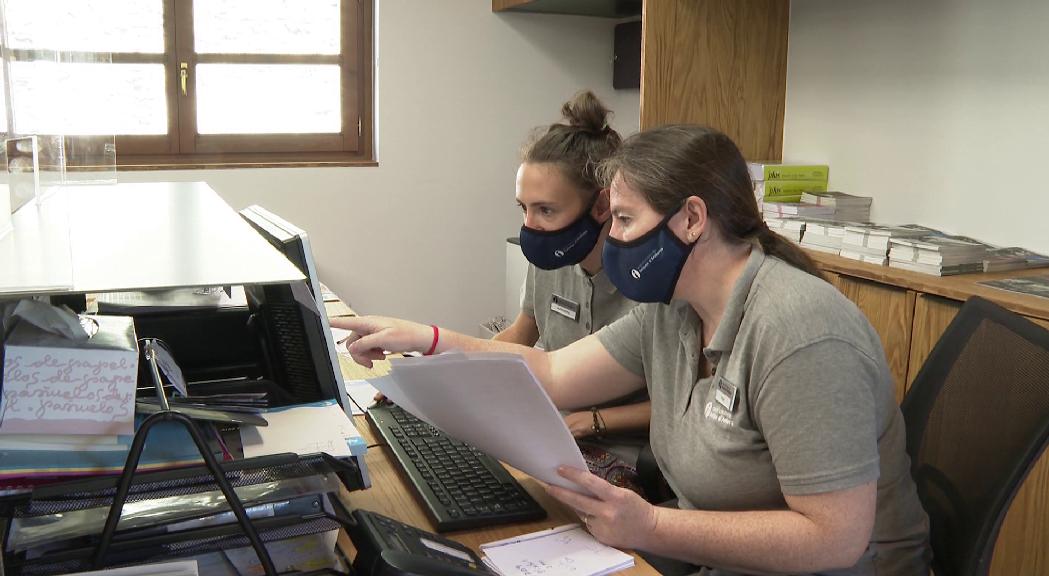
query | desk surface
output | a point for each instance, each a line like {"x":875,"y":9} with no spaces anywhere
{"x":391,"y":495}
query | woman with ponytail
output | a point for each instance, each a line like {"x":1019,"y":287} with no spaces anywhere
{"x":773,"y":414}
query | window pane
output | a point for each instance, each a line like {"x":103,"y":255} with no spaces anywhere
{"x":87,"y":25}
{"x":268,"y":99}
{"x":3,"y":109}
{"x":75,"y":99}
{"x":266,"y":26}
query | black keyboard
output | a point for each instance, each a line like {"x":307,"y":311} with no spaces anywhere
{"x":461,"y":487}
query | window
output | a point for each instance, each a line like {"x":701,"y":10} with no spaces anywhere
{"x":197,"y":82}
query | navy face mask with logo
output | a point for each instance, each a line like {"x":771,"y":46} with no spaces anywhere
{"x":646,"y":269}
{"x":558,"y":248}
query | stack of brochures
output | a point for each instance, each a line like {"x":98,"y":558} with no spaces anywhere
{"x":790,"y":228}
{"x":939,"y":255}
{"x":568,"y":549}
{"x":870,"y":242}
{"x":770,"y":209}
{"x":779,"y":182}
{"x":1030,"y":285}
{"x":1013,"y":258}
{"x":847,"y":207}
{"x":823,"y":235}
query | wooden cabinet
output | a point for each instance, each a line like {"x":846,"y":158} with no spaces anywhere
{"x":932,"y":315}
{"x":911,"y":313}
{"x":722,"y":63}
{"x":890,"y":310}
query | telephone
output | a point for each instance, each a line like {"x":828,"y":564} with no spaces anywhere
{"x":387,"y":547}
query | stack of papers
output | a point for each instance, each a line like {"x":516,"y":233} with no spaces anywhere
{"x":491,"y":401}
{"x":566,"y":549}
{"x":304,"y":429}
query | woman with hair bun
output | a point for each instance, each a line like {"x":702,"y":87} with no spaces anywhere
{"x":566,"y":294}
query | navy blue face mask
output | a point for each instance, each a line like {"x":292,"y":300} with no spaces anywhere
{"x":558,"y":248}
{"x":646,"y":269}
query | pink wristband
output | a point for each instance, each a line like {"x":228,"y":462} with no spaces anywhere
{"x":433,"y":345}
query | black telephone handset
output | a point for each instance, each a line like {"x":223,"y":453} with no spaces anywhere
{"x":387,"y":547}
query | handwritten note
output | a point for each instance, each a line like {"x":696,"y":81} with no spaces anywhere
{"x":565,"y":550}
{"x":75,"y":391}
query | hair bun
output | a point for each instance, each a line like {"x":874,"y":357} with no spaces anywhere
{"x":586,"y":112}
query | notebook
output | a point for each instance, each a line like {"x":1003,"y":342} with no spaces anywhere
{"x":568,"y":550}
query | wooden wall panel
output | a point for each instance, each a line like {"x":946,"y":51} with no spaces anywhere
{"x":889,"y":310}
{"x":717,"y":62}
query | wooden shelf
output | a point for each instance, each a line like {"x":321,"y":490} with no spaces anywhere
{"x":602,"y":8}
{"x":960,"y":287}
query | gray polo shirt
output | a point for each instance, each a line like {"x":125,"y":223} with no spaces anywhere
{"x":800,"y":402}
{"x":568,"y":304}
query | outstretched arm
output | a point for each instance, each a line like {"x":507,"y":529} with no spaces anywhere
{"x":581,"y":374}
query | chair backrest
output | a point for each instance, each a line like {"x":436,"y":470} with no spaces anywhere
{"x":977,"y":420}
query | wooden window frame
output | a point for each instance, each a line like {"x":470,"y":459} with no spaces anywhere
{"x":183,"y":148}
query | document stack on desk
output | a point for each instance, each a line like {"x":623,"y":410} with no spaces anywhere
{"x":307,"y":429}
{"x":491,"y":401}
{"x":183,"y":514}
{"x":304,"y":429}
{"x":568,"y":549}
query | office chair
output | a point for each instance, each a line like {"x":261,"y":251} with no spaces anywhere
{"x":977,"y":420}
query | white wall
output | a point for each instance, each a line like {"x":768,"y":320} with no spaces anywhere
{"x":458,"y":90}
{"x":939,"y":109}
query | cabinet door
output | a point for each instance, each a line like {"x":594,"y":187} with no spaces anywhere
{"x":1024,"y":536}
{"x":890,"y":310}
{"x":932,"y":315}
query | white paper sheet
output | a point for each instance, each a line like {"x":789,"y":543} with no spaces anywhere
{"x":565,"y":550}
{"x":306,"y":429}
{"x":182,"y":568}
{"x":489,"y":400}
{"x":362,"y":393}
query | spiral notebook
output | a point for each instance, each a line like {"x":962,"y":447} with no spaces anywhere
{"x":567,"y":550}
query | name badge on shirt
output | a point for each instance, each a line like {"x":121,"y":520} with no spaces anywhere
{"x":726,"y":395}
{"x":565,"y":307}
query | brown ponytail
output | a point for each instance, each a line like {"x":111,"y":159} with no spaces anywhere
{"x":670,"y":163}
{"x":578,"y":145}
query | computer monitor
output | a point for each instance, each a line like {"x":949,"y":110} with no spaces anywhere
{"x":309,"y":369}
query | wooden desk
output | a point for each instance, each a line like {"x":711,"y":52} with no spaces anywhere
{"x":391,"y":495}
